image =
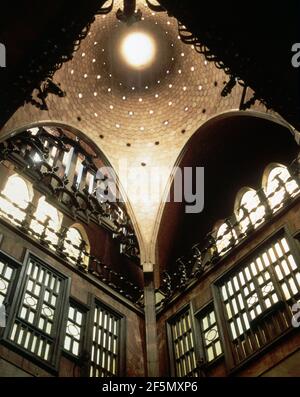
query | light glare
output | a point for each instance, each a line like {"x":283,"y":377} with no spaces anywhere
{"x":138,"y":49}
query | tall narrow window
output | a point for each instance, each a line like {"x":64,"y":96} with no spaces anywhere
{"x":74,"y":331}
{"x":280,"y":185}
{"x":8,"y":276}
{"x":52,"y":155}
{"x":254,"y":297}
{"x":182,"y":339}
{"x":79,"y":169}
{"x":37,"y":320}
{"x":210,"y":335}
{"x":67,"y":158}
{"x":15,"y":199}
{"x":73,"y":244}
{"x":226,"y":238}
{"x":7,"y":273}
{"x":250,"y":212}
{"x":90,"y":181}
{"x":47,"y":220}
{"x":105,"y":356}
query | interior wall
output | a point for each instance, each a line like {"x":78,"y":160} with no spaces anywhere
{"x":234,"y":150}
{"x":81,"y":288}
{"x":201,"y":294}
{"x":16,"y":246}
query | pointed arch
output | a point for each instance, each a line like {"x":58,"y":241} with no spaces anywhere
{"x":241,"y":132}
{"x":7,"y":132}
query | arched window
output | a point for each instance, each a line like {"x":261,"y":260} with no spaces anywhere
{"x":276,"y":194}
{"x":45,"y":210}
{"x":225,"y":238}
{"x":73,"y":243}
{"x":16,"y":198}
{"x":250,"y":211}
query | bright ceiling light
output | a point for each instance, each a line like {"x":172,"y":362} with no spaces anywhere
{"x":138,"y":49}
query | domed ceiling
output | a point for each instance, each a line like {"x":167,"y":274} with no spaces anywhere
{"x":140,"y":117}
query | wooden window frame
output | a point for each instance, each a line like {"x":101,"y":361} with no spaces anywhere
{"x":232,"y":367}
{"x":199,"y":314}
{"x":58,"y":336}
{"x":185,"y":308}
{"x":94,"y":301}
{"x":12,"y":288}
{"x":85,"y":311}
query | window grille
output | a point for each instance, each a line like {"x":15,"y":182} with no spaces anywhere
{"x":37,"y":320}
{"x":280,"y":186}
{"x":210,"y":335}
{"x":74,"y":330}
{"x":6,"y":277}
{"x":183,"y":344}
{"x":106,"y":337}
{"x":257,"y":298}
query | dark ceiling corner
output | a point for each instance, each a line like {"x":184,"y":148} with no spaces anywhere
{"x":254,"y":40}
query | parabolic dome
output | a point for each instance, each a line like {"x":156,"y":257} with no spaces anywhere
{"x":139,"y":92}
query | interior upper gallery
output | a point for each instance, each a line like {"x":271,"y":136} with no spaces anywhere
{"x":149,"y":189}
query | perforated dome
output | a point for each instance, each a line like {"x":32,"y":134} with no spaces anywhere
{"x":143,"y":116}
{"x":175,"y":93}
